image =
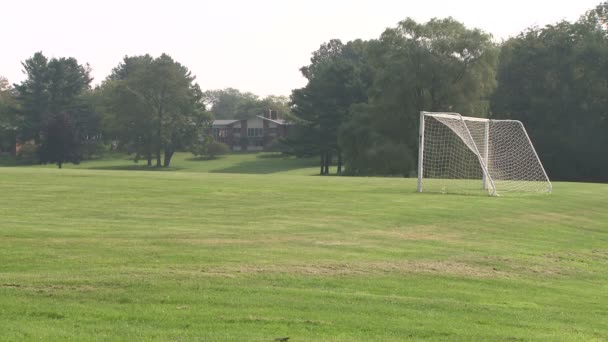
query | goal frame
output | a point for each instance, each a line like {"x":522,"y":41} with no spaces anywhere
{"x":487,"y":181}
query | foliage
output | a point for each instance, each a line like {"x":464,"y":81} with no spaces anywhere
{"x":55,"y":109}
{"x":52,"y":86}
{"x":384,"y":84}
{"x":60,"y":141}
{"x":210,"y":149}
{"x":27,"y":154}
{"x":9,"y":118}
{"x":276,"y":145}
{"x":231,"y":103}
{"x":554,"y":80}
{"x":225,"y":103}
{"x":154,"y":105}
{"x":338,"y":77}
{"x":217,"y":149}
{"x":437,"y":66}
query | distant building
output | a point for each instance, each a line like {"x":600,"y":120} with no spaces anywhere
{"x":253,"y":134}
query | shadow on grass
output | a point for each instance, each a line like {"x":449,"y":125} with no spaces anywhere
{"x":202,"y":159}
{"x":266,"y":165}
{"x":134,"y":167}
{"x":273,"y":155}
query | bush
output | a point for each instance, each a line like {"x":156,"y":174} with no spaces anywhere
{"x":93,"y":149}
{"x":27,"y":154}
{"x":275,"y":145}
{"x":216,"y":149}
{"x":382,"y":158}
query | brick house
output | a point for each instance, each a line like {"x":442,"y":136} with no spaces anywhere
{"x":253,"y":134}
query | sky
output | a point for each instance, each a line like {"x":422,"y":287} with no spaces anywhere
{"x":257,"y":46}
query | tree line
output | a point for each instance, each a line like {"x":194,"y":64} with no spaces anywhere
{"x":360,"y":107}
{"x":149,"y":107}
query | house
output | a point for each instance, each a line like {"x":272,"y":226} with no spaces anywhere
{"x":253,"y":134}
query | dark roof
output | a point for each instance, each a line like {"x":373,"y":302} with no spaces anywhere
{"x":224,"y":122}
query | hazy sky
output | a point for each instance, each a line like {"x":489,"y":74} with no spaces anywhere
{"x":255,"y":46}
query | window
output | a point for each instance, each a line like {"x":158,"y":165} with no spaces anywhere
{"x":255,"y":132}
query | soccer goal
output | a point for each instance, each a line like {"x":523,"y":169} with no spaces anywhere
{"x":466,"y":155}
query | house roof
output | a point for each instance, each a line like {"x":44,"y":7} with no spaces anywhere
{"x":224,"y":122}
{"x":278,"y":121}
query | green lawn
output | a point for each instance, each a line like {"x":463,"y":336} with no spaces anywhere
{"x":250,"y":163}
{"x":92,"y":253}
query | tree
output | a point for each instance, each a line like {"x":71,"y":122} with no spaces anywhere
{"x":436,"y":66}
{"x":55,"y":96}
{"x":51,"y":87}
{"x":9,"y":119}
{"x":227,"y":103}
{"x":554,"y":79}
{"x":61,"y":141}
{"x":231,"y":103}
{"x":154,"y":104}
{"x":126,"y":118}
{"x":337,"y":78}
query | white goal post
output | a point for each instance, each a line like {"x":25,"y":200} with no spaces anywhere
{"x":467,"y":155}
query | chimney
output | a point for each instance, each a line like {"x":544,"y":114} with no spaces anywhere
{"x":273,"y":114}
{"x":268,"y":115}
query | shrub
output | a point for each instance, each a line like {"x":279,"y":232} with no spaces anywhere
{"x":216,"y":148}
{"x":93,"y":149}
{"x":275,"y":145}
{"x":27,"y":154}
{"x":382,"y":158}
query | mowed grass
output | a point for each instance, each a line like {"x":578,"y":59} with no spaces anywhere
{"x":91,"y":254}
{"x":249,"y":163}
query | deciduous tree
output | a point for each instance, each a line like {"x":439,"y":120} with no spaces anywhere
{"x":155,"y":104}
{"x":555,"y":80}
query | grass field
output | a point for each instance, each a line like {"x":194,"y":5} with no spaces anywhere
{"x":100,"y":253}
{"x":248,"y":163}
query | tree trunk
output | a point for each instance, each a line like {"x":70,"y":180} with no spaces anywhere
{"x":59,"y":164}
{"x":159,"y":136}
{"x":149,"y":153}
{"x":327,"y":161}
{"x":322,"y":163}
{"x":339,"y":163}
{"x":168,"y":155}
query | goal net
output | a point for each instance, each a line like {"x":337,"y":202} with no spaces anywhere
{"x":466,"y":155}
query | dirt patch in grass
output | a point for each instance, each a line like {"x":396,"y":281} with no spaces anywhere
{"x":345,"y":269}
{"x":213,"y":241}
{"x":50,"y":287}
{"x":261,"y":319}
{"x":268,"y":240}
{"x":416,"y":233}
{"x":501,"y":269}
{"x":546,"y":265}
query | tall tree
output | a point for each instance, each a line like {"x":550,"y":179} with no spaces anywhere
{"x":337,"y":78}
{"x":10,"y":121}
{"x":53,"y":97}
{"x":51,"y":87}
{"x":155,"y":104}
{"x":61,"y":143}
{"x":231,"y":103}
{"x":228,"y":103}
{"x":436,"y":66}
{"x":555,"y":80}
